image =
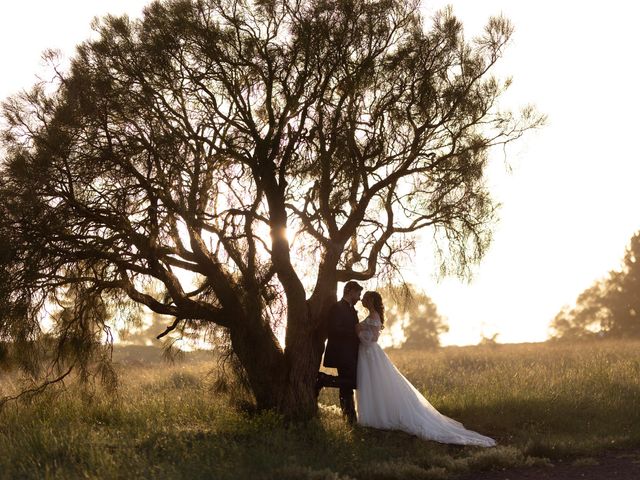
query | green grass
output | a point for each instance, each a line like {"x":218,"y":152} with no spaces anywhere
{"x":541,"y":402}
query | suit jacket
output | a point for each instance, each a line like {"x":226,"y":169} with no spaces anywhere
{"x":342,"y":339}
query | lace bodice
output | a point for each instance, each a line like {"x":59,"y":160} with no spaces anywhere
{"x":369,"y":331}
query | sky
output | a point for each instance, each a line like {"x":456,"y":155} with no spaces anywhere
{"x":570,"y":194}
{"x":570,"y":205}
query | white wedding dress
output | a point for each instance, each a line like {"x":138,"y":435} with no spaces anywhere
{"x":387,"y":400}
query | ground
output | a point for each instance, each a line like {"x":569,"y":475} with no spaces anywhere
{"x":614,"y":465}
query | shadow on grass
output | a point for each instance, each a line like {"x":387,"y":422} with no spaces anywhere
{"x":559,"y":427}
{"x":262,"y":446}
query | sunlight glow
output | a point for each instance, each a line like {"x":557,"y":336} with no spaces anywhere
{"x":568,"y":208}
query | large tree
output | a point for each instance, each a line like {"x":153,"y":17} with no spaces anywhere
{"x":227,"y":163}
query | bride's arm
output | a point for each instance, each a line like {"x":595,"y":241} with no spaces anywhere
{"x":367,"y":333}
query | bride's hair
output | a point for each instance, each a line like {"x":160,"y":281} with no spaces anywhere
{"x":377,"y":304}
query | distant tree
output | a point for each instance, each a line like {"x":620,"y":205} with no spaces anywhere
{"x":588,"y":317}
{"x":416,"y":314}
{"x":489,"y":340}
{"x":244,"y":157}
{"x":622,"y":297}
{"x":610,"y":307}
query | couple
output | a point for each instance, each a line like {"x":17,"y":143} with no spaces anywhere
{"x":386,"y":399}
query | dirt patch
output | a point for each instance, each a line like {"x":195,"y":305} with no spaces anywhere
{"x":612,"y":465}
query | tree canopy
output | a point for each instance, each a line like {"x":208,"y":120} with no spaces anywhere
{"x":227,"y":162}
{"x":608,"y":308}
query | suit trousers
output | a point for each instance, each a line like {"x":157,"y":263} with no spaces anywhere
{"x":347,"y":381}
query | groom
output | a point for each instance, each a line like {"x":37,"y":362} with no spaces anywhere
{"x":342,"y":349}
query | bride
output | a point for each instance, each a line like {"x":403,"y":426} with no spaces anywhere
{"x":386,"y":399}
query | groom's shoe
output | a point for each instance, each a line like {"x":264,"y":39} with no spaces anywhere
{"x":348,"y":407}
{"x":350,"y":412}
{"x":351,"y":418}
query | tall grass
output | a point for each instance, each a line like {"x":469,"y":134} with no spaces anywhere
{"x":541,"y":402}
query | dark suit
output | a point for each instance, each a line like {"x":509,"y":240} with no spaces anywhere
{"x":342,"y":341}
{"x":342,"y":353}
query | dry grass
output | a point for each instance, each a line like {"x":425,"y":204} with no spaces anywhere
{"x":541,"y":402}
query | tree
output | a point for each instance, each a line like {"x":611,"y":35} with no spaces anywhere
{"x":610,"y":307}
{"x":623,"y":294}
{"x":587,"y":318}
{"x":243,"y":158}
{"x":416,"y":314}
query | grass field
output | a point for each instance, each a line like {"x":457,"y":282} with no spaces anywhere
{"x":541,"y":402}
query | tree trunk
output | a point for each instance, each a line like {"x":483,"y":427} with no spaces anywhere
{"x":306,"y":335}
{"x":303,"y":354}
{"x":285,"y":382}
{"x":262,"y":360}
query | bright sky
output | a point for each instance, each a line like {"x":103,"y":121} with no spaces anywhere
{"x":570,"y":204}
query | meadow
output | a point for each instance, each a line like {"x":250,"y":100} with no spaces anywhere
{"x":542,"y":402}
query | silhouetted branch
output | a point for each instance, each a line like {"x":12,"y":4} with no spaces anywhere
{"x":31,"y":392}
{"x":170,"y":328}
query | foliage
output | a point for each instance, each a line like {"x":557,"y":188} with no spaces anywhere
{"x":227,"y":162}
{"x":610,"y":307}
{"x":543,"y":402}
{"x":415,"y":313}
